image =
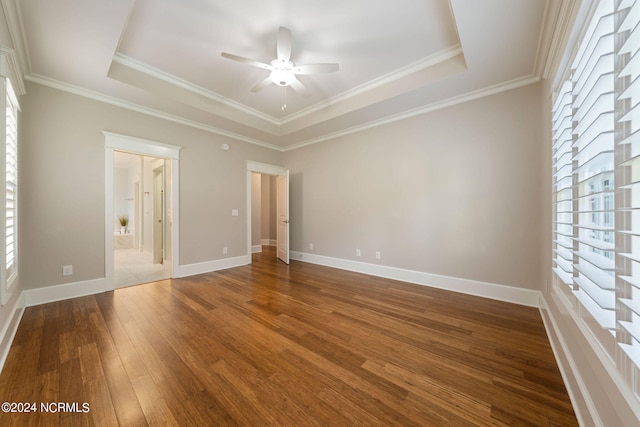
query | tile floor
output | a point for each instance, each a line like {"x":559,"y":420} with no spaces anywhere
{"x":133,"y":267}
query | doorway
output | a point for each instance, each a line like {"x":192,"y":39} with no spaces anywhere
{"x":263,"y":211}
{"x":155,"y":155}
{"x":277,"y":179}
{"x":140,"y":206}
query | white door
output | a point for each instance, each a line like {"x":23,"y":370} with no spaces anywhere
{"x":158,"y":215}
{"x":283,"y":217}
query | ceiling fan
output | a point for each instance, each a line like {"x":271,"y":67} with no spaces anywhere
{"x":282,"y":70}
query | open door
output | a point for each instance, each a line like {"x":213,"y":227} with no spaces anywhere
{"x":158,"y":215}
{"x":282,"y":212}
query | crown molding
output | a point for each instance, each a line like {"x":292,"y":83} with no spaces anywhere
{"x":470,"y":96}
{"x":373,"y":84}
{"x":546,"y":36}
{"x":17,"y":33}
{"x":560,"y":29}
{"x":186,"y":85}
{"x":9,"y":68}
{"x":96,"y":96}
{"x":393,"y":76}
{"x":449,"y":102}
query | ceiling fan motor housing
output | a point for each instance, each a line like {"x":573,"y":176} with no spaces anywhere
{"x":282,"y":74}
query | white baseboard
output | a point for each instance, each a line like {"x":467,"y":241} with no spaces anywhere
{"x":256,"y":249}
{"x":512,"y":294}
{"x":89,"y":287}
{"x":269,"y":242}
{"x":208,"y":266}
{"x":65,"y":291}
{"x":10,"y":328}
{"x":567,"y":365}
{"x":587,"y":413}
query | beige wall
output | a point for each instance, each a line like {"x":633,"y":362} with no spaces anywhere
{"x":62,"y":210}
{"x":256,"y":208}
{"x":462,"y":192}
{"x":454,"y":192}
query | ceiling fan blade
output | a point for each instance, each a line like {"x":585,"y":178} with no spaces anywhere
{"x":257,"y":88}
{"x":246,"y":60}
{"x":300,"y":88}
{"x":315,"y":68}
{"x":284,"y":44}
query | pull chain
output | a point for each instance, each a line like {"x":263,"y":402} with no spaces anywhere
{"x":284,"y":98}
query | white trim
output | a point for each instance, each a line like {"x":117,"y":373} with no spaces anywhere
{"x":10,"y":328}
{"x":256,"y":249}
{"x":47,"y":294}
{"x":258,"y":168}
{"x":488,"y":91}
{"x":142,"y":146}
{"x":9,"y":68}
{"x":449,"y":102}
{"x":209,"y":266}
{"x":564,"y":45}
{"x":114,"y":141}
{"x":15,"y":24}
{"x":608,"y":364}
{"x":190,"y":87}
{"x":109,"y":262}
{"x":97,"y":96}
{"x":375,"y":83}
{"x":269,"y":242}
{"x":561,"y":354}
{"x":494,"y":291}
{"x":265,"y":168}
{"x":393,"y":76}
{"x":65,"y":291}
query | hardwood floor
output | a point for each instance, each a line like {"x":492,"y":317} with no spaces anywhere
{"x":270,"y":344}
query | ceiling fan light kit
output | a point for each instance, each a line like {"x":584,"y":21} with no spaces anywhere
{"x":281,"y":73}
{"x":282,"y":70}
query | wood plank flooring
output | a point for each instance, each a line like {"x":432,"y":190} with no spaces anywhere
{"x":270,"y":344}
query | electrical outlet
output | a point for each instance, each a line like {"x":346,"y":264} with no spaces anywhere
{"x":377,"y":254}
{"x":67,"y":270}
{"x":310,"y":246}
{"x":225,"y":250}
{"x":358,"y":253}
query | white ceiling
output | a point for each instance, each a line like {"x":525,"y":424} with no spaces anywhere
{"x":396,"y":58}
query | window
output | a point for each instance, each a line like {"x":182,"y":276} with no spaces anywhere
{"x":9,"y":171}
{"x":596,"y":181}
{"x":11,"y":184}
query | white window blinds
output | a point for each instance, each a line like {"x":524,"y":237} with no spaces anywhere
{"x":563,"y":185}
{"x":628,"y":125}
{"x":596,"y":177}
{"x":11,"y":183}
{"x":583,"y":156}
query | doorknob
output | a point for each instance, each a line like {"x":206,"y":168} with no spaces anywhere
{"x":286,"y":221}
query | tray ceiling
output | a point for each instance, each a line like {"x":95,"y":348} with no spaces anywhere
{"x":396,"y":58}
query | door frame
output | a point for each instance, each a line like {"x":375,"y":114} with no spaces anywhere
{"x":117,"y":142}
{"x":262,"y":168}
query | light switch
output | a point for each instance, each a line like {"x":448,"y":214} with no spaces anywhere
{"x":234,"y":212}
